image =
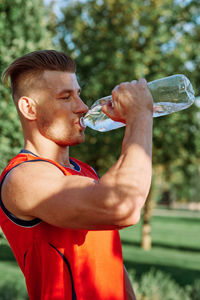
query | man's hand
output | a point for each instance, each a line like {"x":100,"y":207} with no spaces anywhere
{"x":129,"y":100}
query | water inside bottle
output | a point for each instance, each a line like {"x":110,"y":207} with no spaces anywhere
{"x":165,"y":108}
{"x":97,"y":120}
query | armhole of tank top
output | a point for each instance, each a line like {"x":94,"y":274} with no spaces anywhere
{"x":13,"y":218}
{"x":78,"y":168}
{"x":95,"y":172}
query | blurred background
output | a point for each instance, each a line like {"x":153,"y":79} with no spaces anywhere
{"x":114,"y":41}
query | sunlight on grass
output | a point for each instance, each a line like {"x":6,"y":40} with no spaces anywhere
{"x":175,"y":248}
{"x":10,"y":269}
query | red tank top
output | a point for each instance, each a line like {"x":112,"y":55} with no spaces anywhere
{"x":61,"y":263}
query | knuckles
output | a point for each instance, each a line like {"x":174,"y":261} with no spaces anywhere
{"x":123,"y":85}
{"x":134,"y":85}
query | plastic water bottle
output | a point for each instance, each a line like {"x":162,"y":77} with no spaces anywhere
{"x":170,"y":94}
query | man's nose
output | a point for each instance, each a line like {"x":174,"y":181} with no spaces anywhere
{"x":81,"y":107}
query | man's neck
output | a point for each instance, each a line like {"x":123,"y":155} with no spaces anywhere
{"x":51,"y":151}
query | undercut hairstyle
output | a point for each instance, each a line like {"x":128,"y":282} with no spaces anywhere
{"x":26,"y":71}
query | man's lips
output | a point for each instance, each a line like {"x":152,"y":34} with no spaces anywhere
{"x":80,"y":122}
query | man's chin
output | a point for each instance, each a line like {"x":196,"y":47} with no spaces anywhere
{"x":72,"y":142}
{"x":80,"y":140}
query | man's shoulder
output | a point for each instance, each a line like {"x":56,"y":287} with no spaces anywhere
{"x":23,"y":172}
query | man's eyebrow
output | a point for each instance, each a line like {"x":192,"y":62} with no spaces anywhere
{"x":67,"y":91}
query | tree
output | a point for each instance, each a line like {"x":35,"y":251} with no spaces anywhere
{"x":114,"y":41}
{"x":120,"y":40}
{"x":24,"y":27}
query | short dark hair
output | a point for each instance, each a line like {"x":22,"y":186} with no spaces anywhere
{"x":32,"y":65}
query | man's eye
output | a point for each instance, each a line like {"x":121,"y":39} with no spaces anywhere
{"x":66,"y":97}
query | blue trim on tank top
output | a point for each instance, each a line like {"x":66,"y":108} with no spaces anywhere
{"x":76,"y":166}
{"x":69,"y":269}
{"x":14,"y":219}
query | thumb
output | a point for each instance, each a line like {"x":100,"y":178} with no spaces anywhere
{"x":108,"y":109}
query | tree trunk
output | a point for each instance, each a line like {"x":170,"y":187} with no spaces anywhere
{"x":146,"y":227}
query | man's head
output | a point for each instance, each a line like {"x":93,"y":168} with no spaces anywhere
{"x":47,"y":96}
{"x":26,"y":72}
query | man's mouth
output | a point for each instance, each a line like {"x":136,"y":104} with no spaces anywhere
{"x":81,"y":122}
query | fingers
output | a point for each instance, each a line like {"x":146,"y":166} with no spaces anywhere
{"x":134,"y":81}
{"x":124,"y":84}
{"x":108,"y":109}
{"x":129,"y":98}
{"x":142,"y":80}
{"x":121,"y":85}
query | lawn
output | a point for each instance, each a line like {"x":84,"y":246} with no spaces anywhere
{"x":175,"y":250}
{"x":12,"y":283}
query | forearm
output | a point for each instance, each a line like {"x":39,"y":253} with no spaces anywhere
{"x":136,"y":154}
{"x":130,"y":176}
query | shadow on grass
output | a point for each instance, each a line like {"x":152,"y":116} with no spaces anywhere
{"x":161,"y":245}
{"x":182,"y":276}
{"x":178,"y":218}
{"x":6,"y":253}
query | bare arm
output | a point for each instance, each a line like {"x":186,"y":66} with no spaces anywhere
{"x":80,"y":202}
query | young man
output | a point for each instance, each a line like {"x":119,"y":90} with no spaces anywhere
{"x":60,"y":219}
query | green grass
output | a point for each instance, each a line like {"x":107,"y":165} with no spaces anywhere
{"x":9,"y":269}
{"x":175,"y":248}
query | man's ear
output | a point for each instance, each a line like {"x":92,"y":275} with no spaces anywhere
{"x":27,"y":107}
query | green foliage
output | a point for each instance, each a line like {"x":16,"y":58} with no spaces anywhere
{"x":13,"y":288}
{"x":12,"y":283}
{"x":2,"y":237}
{"x":156,"y":285}
{"x":194,"y":290}
{"x":120,"y":40}
{"x":24,"y":27}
